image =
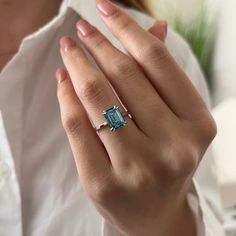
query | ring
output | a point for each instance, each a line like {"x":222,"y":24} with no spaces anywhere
{"x":114,"y":119}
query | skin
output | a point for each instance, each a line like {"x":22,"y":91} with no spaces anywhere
{"x":138,"y":177}
{"x":28,"y":17}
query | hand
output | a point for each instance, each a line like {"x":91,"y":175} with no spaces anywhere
{"x":138,"y":176}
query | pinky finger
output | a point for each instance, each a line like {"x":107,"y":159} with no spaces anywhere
{"x":159,"y":29}
{"x":92,"y":163}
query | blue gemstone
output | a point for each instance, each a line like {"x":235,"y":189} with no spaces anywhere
{"x":114,"y":118}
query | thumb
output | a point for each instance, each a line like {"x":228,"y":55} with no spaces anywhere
{"x":159,"y":29}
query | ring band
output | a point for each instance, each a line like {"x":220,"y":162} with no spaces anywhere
{"x":114,"y":119}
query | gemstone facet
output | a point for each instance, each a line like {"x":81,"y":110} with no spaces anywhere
{"x":114,"y":118}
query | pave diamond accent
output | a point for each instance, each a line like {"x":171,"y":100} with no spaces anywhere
{"x":114,"y":118}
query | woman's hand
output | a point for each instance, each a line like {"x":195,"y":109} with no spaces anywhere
{"x":138,"y":176}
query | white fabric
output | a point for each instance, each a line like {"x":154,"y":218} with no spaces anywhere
{"x":40,"y":193}
{"x":224,"y":70}
{"x":224,"y":146}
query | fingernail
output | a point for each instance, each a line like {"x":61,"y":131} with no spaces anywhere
{"x":67,"y":43}
{"x":84,"y":28}
{"x":106,"y":7}
{"x":61,"y":75}
{"x":165,"y":26}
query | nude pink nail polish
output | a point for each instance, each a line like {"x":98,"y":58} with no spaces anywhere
{"x":106,"y":7}
{"x":165,"y":25}
{"x":67,"y":43}
{"x":84,"y":28}
{"x":61,"y":75}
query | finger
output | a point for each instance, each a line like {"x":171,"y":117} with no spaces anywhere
{"x":169,"y":80}
{"x":125,"y":76}
{"x":91,"y":162}
{"x":159,"y":30}
{"x":96,"y":96}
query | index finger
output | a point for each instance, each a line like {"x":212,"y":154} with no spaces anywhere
{"x":152,"y":55}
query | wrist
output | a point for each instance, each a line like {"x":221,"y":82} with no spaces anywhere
{"x":183,"y":223}
{"x":177,"y":220}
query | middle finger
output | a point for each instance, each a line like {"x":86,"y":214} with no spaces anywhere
{"x":132,"y":86}
{"x":151,"y":54}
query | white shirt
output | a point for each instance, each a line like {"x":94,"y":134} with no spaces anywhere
{"x":40,"y":192}
{"x":224,"y":70}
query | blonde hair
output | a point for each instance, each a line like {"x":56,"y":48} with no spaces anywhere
{"x":140,"y":5}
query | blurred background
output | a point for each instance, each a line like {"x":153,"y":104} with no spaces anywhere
{"x":209,"y":26}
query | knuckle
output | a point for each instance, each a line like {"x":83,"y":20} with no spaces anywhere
{"x":144,"y":180}
{"x":103,"y":192}
{"x":123,"y":23}
{"x":179,"y":161}
{"x":99,"y":43}
{"x":125,"y":67}
{"x":210,"y":129}
{"x":91,"y":89}
{"x":153,"y":52}
{"x":207,"y":128}
{"x":72,"y":124}
{"x":187,"y":163}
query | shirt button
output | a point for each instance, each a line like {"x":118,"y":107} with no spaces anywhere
{"x":5,"y":170}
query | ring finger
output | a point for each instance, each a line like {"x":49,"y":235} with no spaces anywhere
{"x":96,"y":95}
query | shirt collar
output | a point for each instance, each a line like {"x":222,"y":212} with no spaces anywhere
{"x":86,"y":9}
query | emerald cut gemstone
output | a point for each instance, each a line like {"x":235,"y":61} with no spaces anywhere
{"x":114,"y":118}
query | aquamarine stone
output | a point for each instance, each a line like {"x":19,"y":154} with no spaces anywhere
{"x":114,"y":118}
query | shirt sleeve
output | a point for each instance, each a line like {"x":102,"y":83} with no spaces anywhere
{"x":207,"y":223}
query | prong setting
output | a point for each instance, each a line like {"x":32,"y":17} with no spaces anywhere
{"x":114,"y":119}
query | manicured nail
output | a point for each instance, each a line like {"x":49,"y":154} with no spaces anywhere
{"x":165,"y":26}
{"x":67,"y":43}
{"x":84,"y":28}
{"x":61,"y":75}
{"x":106,"y":7}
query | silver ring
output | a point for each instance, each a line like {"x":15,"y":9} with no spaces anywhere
{"x":115,"y":119}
